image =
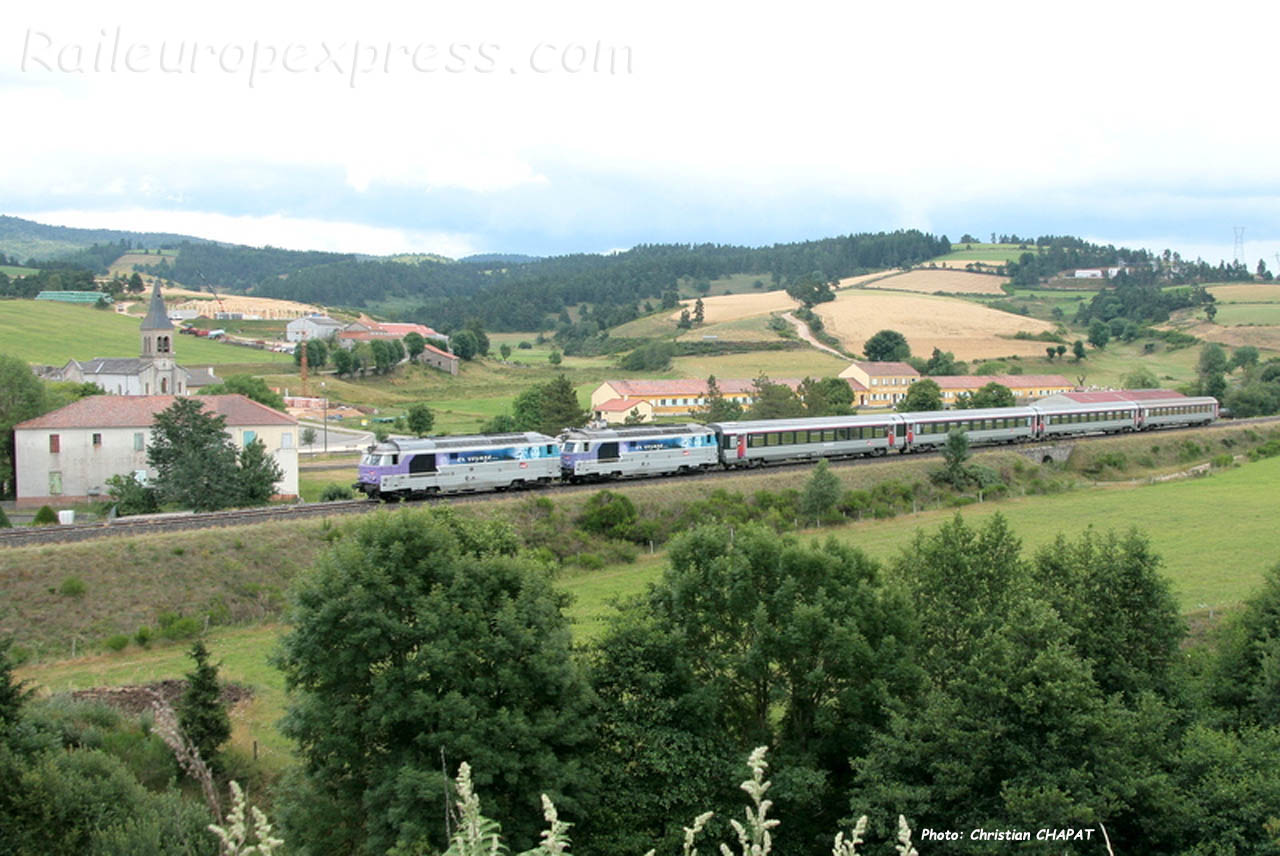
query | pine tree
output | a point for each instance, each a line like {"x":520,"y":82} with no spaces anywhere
{"x":201,"y":714}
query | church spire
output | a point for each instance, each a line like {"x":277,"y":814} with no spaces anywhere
{"x":157,"y":316}
{"x":157,"y":329}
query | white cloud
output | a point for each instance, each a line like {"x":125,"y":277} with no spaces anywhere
{"x":276,"y":230}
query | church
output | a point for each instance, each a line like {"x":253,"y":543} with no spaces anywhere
{"x":153,"y":373}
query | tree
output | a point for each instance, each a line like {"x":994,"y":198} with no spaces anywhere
{"x":343,"y":361}
{"x":774,"y":400}
{"x":830,"y":396}
{"x":451,"y":648}
{"x":201,"y":714}
{"x":1077,"y":349}
{"x":257,"y":475}
{"x":250,"y":387}
{"x":555,"y":357}
{"x":887,"y":346}
{"x":421,"y":420}
{"x":465,"y":344}
{"x":1211,"y":312}
{"x":1051,"y":351}
{"x":1140,"y":378}
{"x":699,"y":312}
{"x":559,"y":408}
{"x":414,"y":344}
{"x":45,"y":516}
{"x":21,"y":398}
{"x":505,"y":351}
{"x":317,"y":353}
{"x":384,"y":355}
{"x":821,"y":493}
{"x":1060,"y":349}
{"x":717,"y":408}
{"x":924,"y":394}
{"x":307,"y":436}
{"x":1099,"y":334}
{"x":130,"y":496}
{"x":943,"y":363}
{"x":991,"y":395}
{"x":1244,"y":357}
{"x":955,"y":453}
{"x":1211,"y":370}
{"x":770,"y":641}
{"x":476,"y":327}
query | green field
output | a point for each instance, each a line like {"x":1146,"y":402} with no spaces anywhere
{"x":984,"y":252}
{"x":52,"y":333}
{"x":777,"y":364}
{"x":737,"y":283}
{"x":1261,"y":314}
{"x":13,"y":271}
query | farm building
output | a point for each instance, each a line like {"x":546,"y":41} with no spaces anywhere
{"x":312,"y":327}
{"x":438,"y":359}
{"x":616,"y":411}
{"x":1023,"y":387}
{"x":881,"y":384}
{"x":73,"y":296}
{"x":66,"y":456}
{"x":154,"y":372}
{"x":670,"y":397}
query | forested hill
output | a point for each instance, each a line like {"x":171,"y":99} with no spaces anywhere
{"x":521,"y":296}
{"x":28,"y":239}
{"x":238,"y":268}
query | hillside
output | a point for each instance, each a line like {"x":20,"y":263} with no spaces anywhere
{"x":29,"y":239}
{"x":51,"y":333}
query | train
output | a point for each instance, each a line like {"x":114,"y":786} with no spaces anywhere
{"x":417,"y":468}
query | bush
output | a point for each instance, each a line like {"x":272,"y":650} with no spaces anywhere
{"x":4,"y":520}
{"x":335,"y":493}
{"x":143,"y":636}
{"x":72,"y":587}
{"x":174,"y":626}
{"x":46,"y":516}
{"x":1223,"y":461}
{"x":610,"y":514}
{"x":116,"y":642}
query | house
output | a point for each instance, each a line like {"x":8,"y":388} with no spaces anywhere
{"x":670,"y":398}
{"x":67,"y":455}
{"x":1023,"y":387}
{"x":879,"y":384}
{"x":312,"y":327}
{"x":1097,"y":273}
{"x":438,"y":359}
{"x":616,"y":411}
{"x":154,"y":372}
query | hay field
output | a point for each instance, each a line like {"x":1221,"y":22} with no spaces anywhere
{"x":1267,"y":338}
{"x":863,"y":279}
{"x":947,"y":281}
{"x":968,"y":330}
{"x":1245,"y":293}
{"x":732,"y":307}
{"x":754,"y":329}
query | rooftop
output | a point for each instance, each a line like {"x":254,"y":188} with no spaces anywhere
{"x":138,"y":411}
{"x":688,"y":386}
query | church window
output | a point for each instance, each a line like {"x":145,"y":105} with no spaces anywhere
{"x":164,"y":386}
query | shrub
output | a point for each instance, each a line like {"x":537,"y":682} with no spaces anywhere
{"x":1223,"y":461}
{"x":116,"y":642}
{"x":335,"y":492}
{"x":45,"y":517}
{"x":143,"y":636}
{"x":4,"y":520}
{"x":610,"y":514}
{"x":72,"y":587}
{"x":174,"y":626}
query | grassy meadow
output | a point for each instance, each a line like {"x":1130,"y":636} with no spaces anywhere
{"x":984,"y":252}
{"x":52,"y":333}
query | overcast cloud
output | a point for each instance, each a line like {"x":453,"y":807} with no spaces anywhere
{"x":561,"y":127}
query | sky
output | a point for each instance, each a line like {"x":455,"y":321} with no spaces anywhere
{"x":550,"y":127}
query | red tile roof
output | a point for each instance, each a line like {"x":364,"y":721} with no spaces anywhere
{"x":687,"y":386}
{"x":1122,"y":396}
{"x":433,"y":349}
{"x":403,"y":330}
{"x":884,"y":369}
{"x":138,"y":411}
{"x":621,"y":405}
{"x":1011,"y":381}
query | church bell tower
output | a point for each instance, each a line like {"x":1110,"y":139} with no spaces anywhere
{"x":157,"y":343}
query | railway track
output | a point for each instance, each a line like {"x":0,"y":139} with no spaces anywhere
{"x":24,"y":536}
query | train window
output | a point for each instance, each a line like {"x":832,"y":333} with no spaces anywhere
{"x":771,"y":439}
{"x":880,"y":432}
{"x":788,"y":438}
{"x":420,"y":464}
{"x":828,"y":436}
{"x":802,"y":436}
{"x":756,"y":440}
